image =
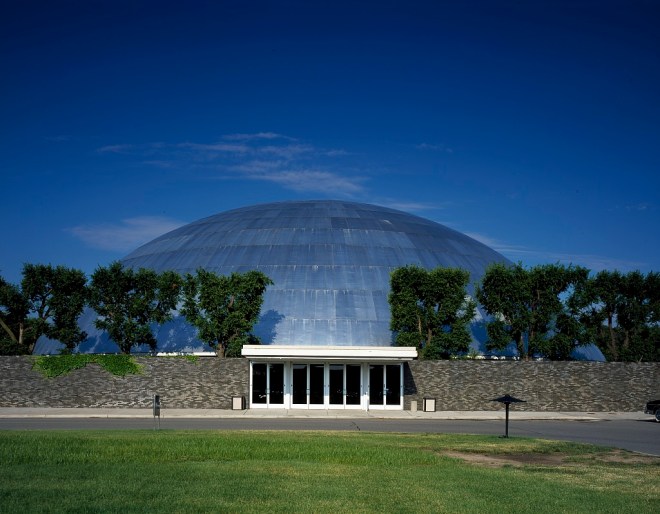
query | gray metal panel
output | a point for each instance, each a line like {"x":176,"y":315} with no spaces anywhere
{"x":330,"y":262}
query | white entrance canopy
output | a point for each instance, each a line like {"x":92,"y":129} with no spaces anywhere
{"x":273,"y":352}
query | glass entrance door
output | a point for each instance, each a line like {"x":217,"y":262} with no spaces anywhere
{"x":308,"y":386}
{"x":345,"y":386}
{"x":385,"y":386}
{"x":268,"y":385}
{"x":376,"y":385}
{"x":326,"y":385}
{"x":259,"y":385}
{"x":393,"y":384}
{"x":299,"y":388}
{"x":353,"y":386}
{"x":336,"y":375}
{"x":276,"y":385}
{"x":316,"y":386}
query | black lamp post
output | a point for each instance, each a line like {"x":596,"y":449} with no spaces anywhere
{"x":507,"y":400}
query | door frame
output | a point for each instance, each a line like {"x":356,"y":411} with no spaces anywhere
{"x":289,"y":379}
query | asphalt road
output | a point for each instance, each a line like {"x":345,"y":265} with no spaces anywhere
{"x":634,"y":435}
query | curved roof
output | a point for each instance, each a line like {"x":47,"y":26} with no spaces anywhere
{"x":330,"y":262}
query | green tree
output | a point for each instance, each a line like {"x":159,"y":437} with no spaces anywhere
{"x":431,"y":310}
{"x":224,"y":309}
{"x":128,"y":302}
{"x":531,"y":308}
{"x":623,"y":315}
{"x":49,"y":302}
{"x":14,"y":322}
{"x":601,"y":297}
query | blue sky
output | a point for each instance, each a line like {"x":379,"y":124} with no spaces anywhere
{"x":531,"y":126}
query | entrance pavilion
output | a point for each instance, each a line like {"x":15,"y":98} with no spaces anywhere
{"x":327,"y":377}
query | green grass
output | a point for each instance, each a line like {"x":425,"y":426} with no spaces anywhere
{"x":203,"y":471}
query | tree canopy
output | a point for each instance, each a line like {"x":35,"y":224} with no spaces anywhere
{"x":14,"y":323}
{"x":128,"y":302}
{"x":224,"y":309}
{"x":48,"y":302}
{"x":528,"y":308}
{"x":547,"y":310}
{"x":431,"y":310}
{"x":622,"y":314}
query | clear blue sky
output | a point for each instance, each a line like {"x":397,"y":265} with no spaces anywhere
{"x":531,"y":126}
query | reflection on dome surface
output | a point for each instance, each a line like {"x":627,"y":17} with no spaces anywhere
{"x":329,"y":260}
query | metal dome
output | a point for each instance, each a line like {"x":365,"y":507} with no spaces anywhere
{"x":330,"y":262}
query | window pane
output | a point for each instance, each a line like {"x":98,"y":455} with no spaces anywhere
{"x":376,"y":384}
{"x":258,"y":383}
{"x":276,"y":383}
{"x":336,"y":384}
{"x":316,"y":384}
{"x":353,"y":384}
{"x":393,"y":380}
{"x":300,"y":383}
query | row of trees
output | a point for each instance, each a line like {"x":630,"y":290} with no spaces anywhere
{"x":128,"y":302}
{"x":48,"y":302}
{"x":431,"y":310}
{"x":546,"y":311}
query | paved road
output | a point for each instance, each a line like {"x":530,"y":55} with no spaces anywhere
{"x":635,"y":435}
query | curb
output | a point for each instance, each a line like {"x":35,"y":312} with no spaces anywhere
{"x":108,"y":413}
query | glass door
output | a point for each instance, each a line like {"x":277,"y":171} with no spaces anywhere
{"x":336,"y":385}
{"x":332,"y":386}
{"x":376,"y":385}
{"x":267,"y":385}
{"x":353,"y":386}
{"x":299,"y":388}
{"x":326,"y":385}
{"x":316,"y":386}
{"x":393,"y":384}
{"x":276,"y":385}
{"x":259,"y":385}
{"x":385,"y":386}
{"x":308,"y":386}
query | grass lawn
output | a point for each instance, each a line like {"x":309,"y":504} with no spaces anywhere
{"x":212,"y":471}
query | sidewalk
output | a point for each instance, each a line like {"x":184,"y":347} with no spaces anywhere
{"x":35,"y":412}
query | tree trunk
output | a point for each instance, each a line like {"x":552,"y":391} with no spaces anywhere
{"x":612,"y":345}
{"x":521,"y":348}
{"x":626,"y":339}
{"x":220,"y":350}
{"x":22,"y":333}
{"x":8,"y":330}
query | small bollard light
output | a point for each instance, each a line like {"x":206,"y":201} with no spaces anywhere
{"x":507,"y":400}
{"x":156,"y":410}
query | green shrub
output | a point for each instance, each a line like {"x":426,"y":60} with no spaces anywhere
{"x":118,"y":365}
{"x":193,"y":359}
{"x":56,"y":365}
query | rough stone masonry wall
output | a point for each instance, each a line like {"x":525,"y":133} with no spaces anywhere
{"x":208,"y":383}
{"x":546,"y":386}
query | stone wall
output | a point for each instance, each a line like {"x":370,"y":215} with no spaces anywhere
{"x":545,"y":386}
{"x":210,"y":383}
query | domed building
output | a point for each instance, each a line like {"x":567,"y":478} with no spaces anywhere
{"x":324,"y":323}
{"x":330,"y":263}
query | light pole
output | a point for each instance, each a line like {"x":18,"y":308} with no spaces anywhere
{"x":507,"y":400}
